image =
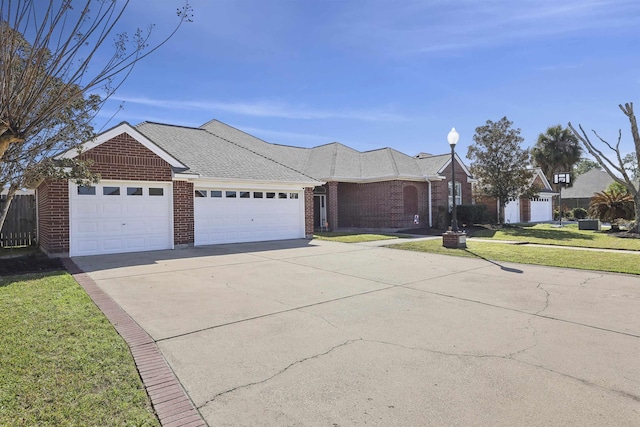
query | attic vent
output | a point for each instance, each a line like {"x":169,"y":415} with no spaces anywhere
{"x":423,"y":155}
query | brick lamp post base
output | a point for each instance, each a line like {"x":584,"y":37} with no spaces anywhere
{"x":451,"y":239}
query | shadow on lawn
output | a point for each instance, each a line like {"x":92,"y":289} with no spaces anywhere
{"x":502,"y":267}
{"x":534,"y":233}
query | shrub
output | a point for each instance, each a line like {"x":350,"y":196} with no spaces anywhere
{"x":579,"y":213}
{"x":566,"y":213}
{"x":472,"y":214}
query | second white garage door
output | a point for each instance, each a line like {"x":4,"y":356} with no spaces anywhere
{"x":541,"y":209}
{"x":234,"y":216}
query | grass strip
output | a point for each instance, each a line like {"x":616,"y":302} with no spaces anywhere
{"x":569,"y":258}
{"x":568,"y":235}
{"x":349,"y":237}
{"x":62,"y":362}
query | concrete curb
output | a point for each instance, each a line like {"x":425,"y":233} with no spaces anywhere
{"x":170,"y":401}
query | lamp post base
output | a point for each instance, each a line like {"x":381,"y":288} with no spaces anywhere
{"x":454,"y":240}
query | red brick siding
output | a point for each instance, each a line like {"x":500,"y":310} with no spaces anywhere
{"x":380,"y":205}
{"x":183,"y":219}
{"x":525,"y":209}
{"x":122,"y":157}
{"x":538,"y":182}
{"x":332,"y":205}
{"x":440,"y":194}
{"x":308,"y":212}
{"x":53,"y":216}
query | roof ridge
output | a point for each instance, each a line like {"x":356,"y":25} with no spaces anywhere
{"x":166,"y":124}
{"x":258,"y":154}
{"x":159,"y":145}
{"x":251,"y":135}
{"x":333,"y":160}
{"x":393,"y":161}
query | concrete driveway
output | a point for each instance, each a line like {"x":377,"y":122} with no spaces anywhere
{"x":316,"y":333}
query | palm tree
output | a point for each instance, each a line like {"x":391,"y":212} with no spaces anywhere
{"x":556,"y":150}
{"x":611,"y":205}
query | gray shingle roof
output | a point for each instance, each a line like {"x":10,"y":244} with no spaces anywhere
{"x":213,"y":156}
{"x":431,"y":165}
{"x":335,"y":161}
{"x":587,"y":184}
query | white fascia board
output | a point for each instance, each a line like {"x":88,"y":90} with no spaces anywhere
{"x":545,"y":181}
{"x":132,"y":132}
{"x":377,"y":179}
{"x":460,"y":162}
{"x":185,"y":176}
{"x":252,"y":184}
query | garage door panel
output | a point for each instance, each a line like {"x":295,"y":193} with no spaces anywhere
{"x":110,"y":209}
{"x":113,"y":226}
{"x":111,"y":245}
{"x":86,"y":209}
{"x":113,"y":223}
{"x":87,"y":227}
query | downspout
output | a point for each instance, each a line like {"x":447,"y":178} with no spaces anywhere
{"x":430,"y":211}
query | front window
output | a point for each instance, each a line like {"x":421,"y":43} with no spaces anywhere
{"x":458,"y":195}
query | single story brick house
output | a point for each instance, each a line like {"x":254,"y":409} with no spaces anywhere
{"x":584,"y":187}
{"x":524,"y":209}
{"x":164,"y":186}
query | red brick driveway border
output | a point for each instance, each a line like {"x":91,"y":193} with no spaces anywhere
{"x":168,"y":398}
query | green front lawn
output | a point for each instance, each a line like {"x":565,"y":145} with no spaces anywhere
{"x":350,"y":237}
{"x":568,"y":235}
{"x":61,"y":361}
{"x":525,"y":254}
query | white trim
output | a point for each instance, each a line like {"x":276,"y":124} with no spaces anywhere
{"x":545,"y":181}
{"x":384,"y":179}
{"x":251,"y":184}
{"x":460,"y":163}
{"x":123,"y":127}
{"x":185,"y":176}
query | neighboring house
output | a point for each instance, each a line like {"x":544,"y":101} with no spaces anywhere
{"x":165,"y":186}
{"x":524,"y":209}
{"x":584,"y":188}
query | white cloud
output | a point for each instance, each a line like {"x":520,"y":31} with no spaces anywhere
{"x":265,"y":109}
{"x":451,"y":26}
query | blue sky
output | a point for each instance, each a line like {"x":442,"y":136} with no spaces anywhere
{"x":382,"y":73}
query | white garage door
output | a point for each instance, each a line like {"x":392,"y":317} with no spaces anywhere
{"x":116,"y":216}
{"x":512,"y":212}
{"x":233,"y":216}
{"x":541,"y":209}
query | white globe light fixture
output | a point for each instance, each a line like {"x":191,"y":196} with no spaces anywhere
{"x":453,"y":137}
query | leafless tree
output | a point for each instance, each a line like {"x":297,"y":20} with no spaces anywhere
{"x":59,"y":62}
{"x":52,"y":54}
{"x":617,"y":166}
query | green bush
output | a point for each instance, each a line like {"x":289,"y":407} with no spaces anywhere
{"x":472,"y":214}
{"x":579,"y":213}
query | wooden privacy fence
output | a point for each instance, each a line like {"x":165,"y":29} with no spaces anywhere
{"x":19,"y":228}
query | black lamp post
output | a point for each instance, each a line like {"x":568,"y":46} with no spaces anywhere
{"x":453,"y":138}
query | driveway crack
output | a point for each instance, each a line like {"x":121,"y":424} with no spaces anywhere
{"x":512,"y":359}
{"x":297,"y":362}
